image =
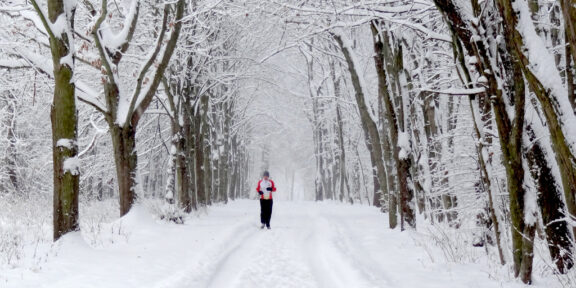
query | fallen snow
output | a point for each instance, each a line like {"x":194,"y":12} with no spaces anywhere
{"x":404,"y":145}
{"x":66,"y":143}
{"x":72,"y":165}
{"x":310,"y":245}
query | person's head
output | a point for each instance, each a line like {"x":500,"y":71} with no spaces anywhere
{"x":266,"y":175}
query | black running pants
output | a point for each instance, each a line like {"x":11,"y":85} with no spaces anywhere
{"x":265,"y":211}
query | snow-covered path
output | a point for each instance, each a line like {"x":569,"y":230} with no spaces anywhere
{"x":310,"y":245}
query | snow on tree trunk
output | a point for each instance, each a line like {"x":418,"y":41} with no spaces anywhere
{"x":126,"y":160}
{"x":369,"y":126}
{"x":390,"y":70}
{"x":60,"y":25}
{"x":550,"y":201}
{"x":123,"y":112}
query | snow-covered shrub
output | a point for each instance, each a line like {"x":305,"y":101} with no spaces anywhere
{"x":95,"y":220}
{"x":25,"y":227}
{"x":165,"y":211}
{"x":10,"y":247}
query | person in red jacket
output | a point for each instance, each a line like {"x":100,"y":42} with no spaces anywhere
{"x":265,"y":188}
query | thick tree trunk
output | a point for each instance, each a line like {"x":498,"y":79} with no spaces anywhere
{"x":344,"y":186}
{"x":204,"y":175}
{"x":64,"y":121}
{"x":123,"y":127}
{"x":199,"y":161}
{"x":368,"y":125}
{"x":522,"y":231}
{"x":570,"y":77}
{"x":126,"y":160}
{"x":190,"y":153}
{"x":509,"y":130}
{"x":64,"y":147}
{"x":227,"y":160}
{"x":392,"y":183}
{"x":569,"y":13}
{"x":396,"y":123}
{"x":550,"y":108}
{"x":182,"y":178}
{"x":551,"y":204}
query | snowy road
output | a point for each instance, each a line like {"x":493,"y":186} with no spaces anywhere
{"x":310,"y":245}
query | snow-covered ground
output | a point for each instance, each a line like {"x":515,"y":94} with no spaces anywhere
{"x":310,"y":245}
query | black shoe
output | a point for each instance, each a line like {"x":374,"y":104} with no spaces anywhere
{"x":262,"y":227}
{"x":268,"y":226}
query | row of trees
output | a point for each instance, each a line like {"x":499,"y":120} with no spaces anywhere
{"x":145,"y":70}
{"x":509,"y":65}
{"x":460,"y":111}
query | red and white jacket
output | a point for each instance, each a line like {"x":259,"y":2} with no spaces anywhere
{"x":262,"y":185}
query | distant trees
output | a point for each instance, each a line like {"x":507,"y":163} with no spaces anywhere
{"x":499,"y":58}
{"x":460,"y":111}
{"x":97,"y":61}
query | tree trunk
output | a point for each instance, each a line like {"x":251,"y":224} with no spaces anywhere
{"x":204,"y":175}
{"x":369,"y":127}
{"x":344,"y":186}
{"x":509,"y":130}
{"x":510,"y":138}
{"x":570,"y":76}
{"x":482,"y":124}
{"x":182,"y":178}
{"x":564,"y":156}
{"x":171,"y":178}
{"x":396,"y":124}
{"x":10,"y":159}
{"x":126,"y":160}
{"x":190,"y":153}
{"x":225,"y":158}
{"x":199,"y":161}
{"x":234,"y":160}
{"x":486,"y":182}
{"x":64,"y":121}
{"x":551,"y":204}
{"x":569,"y":13}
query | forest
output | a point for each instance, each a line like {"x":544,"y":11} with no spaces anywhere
{"x":453,"y":118}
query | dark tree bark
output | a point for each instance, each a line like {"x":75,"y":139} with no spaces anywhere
{"x":202,"y":153}
{"x":123,"y":131}
{"x":343,"y":175}
{"x":569,"y":13}
{"x":64,"y":120}
{"x":125,"y":157}
{"x":182,"y":177}
{"x":551,"y":204}
{"x":509,"y":130}
{"x":370,"y":128}
{"x":390,"y":62}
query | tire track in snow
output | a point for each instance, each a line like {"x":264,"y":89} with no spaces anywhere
{"x":358,"y":255}
{"x":330,"y":265}
{"x":202,"y":267}
{"x":222,"y":269}
{"x":278,"y":261}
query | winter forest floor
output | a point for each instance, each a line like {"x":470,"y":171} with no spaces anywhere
{"x":310,"y":245}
